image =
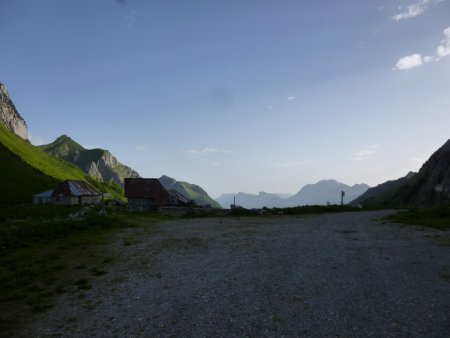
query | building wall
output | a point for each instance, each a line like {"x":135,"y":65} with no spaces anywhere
{"x":91,"y":199}
{"x":42,"y":200}
{"x":140,"y":204}
{"x":65,"y":200}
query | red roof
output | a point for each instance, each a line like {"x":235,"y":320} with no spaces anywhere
{"x":147,"y":188}
{"x":74,"y":188}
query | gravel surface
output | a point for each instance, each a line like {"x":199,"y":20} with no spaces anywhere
{"x":335,"y":275}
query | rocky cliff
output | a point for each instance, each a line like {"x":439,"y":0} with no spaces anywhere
{"x":9,"y":115}
{"x":429,"y":187}
{"x":98,"y":163}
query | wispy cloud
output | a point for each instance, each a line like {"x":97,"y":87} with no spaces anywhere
{"x":291,"y":98}
{"x":293,"y":162}
{"x":414,"y":10}
{"x":270,"y":106}
{"x":365,"y":153}
{"x":130,"y":19}
{"x":206,"y":152}
{"x":417,"y":60}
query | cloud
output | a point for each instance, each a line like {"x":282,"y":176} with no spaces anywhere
{"x":414,"y":9}
{"x":206,"y":152}
{"x":416,"y":60}
{"x":292,"y":162}
{"x":130,"y":19}
{"x":291,"y":98}
{"x":365,"y":153}
{"x":409,"y":62}
{"x":444,"y":48}
{"x":270,"y":106}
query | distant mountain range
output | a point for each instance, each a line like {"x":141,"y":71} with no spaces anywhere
{"x":429,"y":187}
{"x":98,"y":163}
{"x":320,"y":193}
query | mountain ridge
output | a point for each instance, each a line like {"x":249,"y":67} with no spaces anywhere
{"x":428,"y":187}
{"x":321,"y":192}
{"x":98,"y":163}
{"x":189,"y":190}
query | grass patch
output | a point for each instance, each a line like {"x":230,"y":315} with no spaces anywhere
{"x":44,"y":254}
{"x":438,"y":218}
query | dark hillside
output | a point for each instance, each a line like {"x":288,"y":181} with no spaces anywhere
{"x":19,"y":181}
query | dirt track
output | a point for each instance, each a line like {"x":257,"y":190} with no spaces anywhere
{"x":327,"y":275}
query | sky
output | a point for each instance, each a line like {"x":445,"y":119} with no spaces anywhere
{"x":236,"y":95}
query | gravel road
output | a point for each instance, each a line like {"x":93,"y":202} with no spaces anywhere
{"x":335,"y":275}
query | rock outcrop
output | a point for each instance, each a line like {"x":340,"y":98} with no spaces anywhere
{"x":9,"y":115}
{"x":98,"y":163}
{"x":432,"y":184}
{"x":429,"y":187}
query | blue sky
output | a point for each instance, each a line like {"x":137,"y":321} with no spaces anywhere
{"x":236,"y":95}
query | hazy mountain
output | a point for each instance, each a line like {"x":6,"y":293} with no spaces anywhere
{"x":9,"y":115}
{"x":322,"y":192}
{"x":327,"y":191}
{"x":429,"y":187}
{"x":98,"y":163}
{"x":191,"y":191}
{"x":283,"y":194}
{"x":252,"y":200}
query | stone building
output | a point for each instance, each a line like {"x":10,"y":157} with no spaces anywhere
{"x":69,"y":192}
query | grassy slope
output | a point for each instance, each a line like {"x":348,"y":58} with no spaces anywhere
{"x":38,"y":159}
{"x":17,"y":189}
{"x":42,"y":164}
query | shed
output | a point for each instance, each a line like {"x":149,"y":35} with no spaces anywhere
{"x":146,"y":194}
{"x":43,"y":197}
{"x":75,"y":192}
